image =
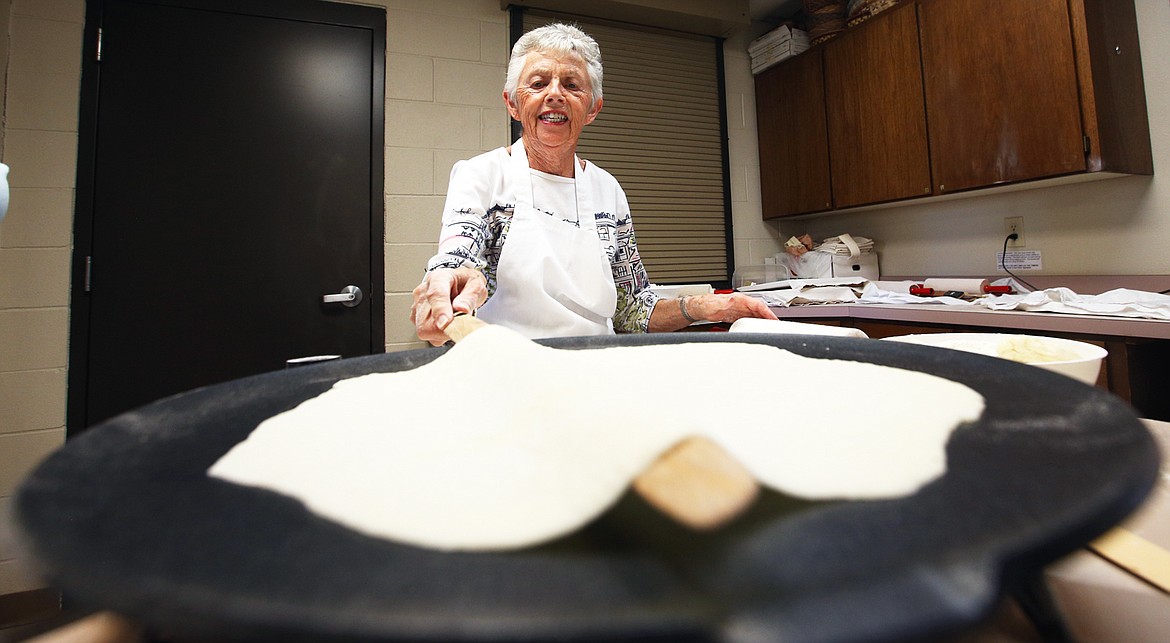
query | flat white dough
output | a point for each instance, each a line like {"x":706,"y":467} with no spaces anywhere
{"x":503,"y":443}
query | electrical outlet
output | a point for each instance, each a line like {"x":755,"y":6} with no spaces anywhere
{"x":1014,"y":225}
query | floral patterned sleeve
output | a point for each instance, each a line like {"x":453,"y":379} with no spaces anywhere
{"x":474,"y":222}
{"x":635,"y":301}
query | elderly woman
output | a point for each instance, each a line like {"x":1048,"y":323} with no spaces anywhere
{"x":539,"y":240}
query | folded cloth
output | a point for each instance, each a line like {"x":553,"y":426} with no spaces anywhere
{"x":821,"y":295}
{"x":837,"y":246}
{"x":779,"y":326}
{"x":1121,"y":302}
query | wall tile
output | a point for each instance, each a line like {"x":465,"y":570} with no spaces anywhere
{"x":41,"y":159}
{"x":750,"y":224}
{"x":494,"y":46}
{"x":43,"y":101}
{"x":763,"y":247}
{"x":31,"y":400}
{"x":34,"y":277}
{"x":410,"y":171}
{"x":737,"y":76}
{"x":425,"y":34}
{"x":751,"y":175}
{"x":742,"y":147}
{"x":735,"y":112}
{"x":399,"y":330}
{"x":750,"y":211}
{"x":488,"y":10}
{"x":405,"y":263}
{"x":64,"y":10}
{"x":469,"y":83}
{"x":406,"y":346}
{"x":413,"y":219}
{"x":738,"y":183}
{"x":444,"y":161}
{"x":496,"y":127}
{"x":21,"y":452}
{"x":431,"y":126}
{"x":6,"y":535}
{"x":46,"y":46}
{"x":38,"y":218}
{"x":34,"y":339}
{"x":410,"y":77}
{"x":18,"y":576}
{"x":742,"y":252}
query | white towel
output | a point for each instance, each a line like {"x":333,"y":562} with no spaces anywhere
{"x":1121,"y":302}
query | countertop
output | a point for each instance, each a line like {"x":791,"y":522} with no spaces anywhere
{"x":978,"y":316}
{"x":982,"y":317}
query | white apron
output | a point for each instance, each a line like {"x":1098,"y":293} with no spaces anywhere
{"x":553,"y":279}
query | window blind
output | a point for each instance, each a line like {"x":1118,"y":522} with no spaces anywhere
{"x":661,"y":132}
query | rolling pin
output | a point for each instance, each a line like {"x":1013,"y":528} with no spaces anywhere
{"x":966,"y":287}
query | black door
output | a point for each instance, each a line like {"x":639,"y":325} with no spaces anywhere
{"x":230,"y":177}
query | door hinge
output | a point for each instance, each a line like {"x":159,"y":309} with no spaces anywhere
{"x":99,"y":45}
{"x":1088,"y":145}
{"x":88,"y":272}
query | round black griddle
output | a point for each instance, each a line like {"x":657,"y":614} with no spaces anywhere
{"x":124,"y":517}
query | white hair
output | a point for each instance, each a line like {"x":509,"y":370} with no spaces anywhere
{"x":562,"y":40}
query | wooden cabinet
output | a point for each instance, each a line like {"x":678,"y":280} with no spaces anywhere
{"x":794,"y":148}
{"x":1001,"y":91}
{"x":934,"y":97}
{"x":876,"y":118}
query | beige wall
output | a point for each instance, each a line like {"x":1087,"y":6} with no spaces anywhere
{"x":445,"y":65}
{"x":43,"y":83}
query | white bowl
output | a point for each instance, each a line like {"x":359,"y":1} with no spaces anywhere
{"x":1078,"y":360}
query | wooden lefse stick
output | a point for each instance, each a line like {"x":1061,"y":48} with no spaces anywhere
{"x":698,"y":484}
{"x":462,"y":325}
{"x":695,"y":482}
{"x":1135,"y":554}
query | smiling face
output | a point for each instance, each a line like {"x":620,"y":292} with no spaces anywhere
{"x":553,"y":102}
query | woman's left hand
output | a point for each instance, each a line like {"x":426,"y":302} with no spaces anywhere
{"x":727,"y":308}
{"x":667,"y":315}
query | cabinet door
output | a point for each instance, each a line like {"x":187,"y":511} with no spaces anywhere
{"x":1001,"y":91}
{"x":794,"y":152}
{"x":877,"y":122}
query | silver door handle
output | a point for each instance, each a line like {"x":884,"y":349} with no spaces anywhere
{"x":349,"y":297}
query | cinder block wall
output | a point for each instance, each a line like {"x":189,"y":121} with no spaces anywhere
{"x":40,"y":145}
{"x":445,"y":68}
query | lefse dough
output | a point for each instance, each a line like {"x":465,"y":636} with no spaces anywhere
{"x":503,"y":443}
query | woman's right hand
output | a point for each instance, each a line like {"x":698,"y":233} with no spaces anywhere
{"x":442,"y":293}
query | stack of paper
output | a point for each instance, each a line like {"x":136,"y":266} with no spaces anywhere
{"x":776,"y":45}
